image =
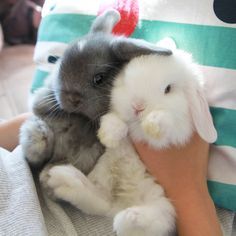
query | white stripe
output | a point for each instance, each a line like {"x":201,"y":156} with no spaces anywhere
{"x":44,"y":49}
{"x":182,"y":11}
{"x":220,"y":86}
{"x":222,"y":164}
{"x":89,"y":7}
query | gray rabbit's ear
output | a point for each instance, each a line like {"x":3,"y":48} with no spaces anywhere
{"x":127,"y":48}
{"x":106,"y":21}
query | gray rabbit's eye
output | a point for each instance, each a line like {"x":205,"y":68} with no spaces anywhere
{"x":168,"y":89}
{"x":98,"y":79}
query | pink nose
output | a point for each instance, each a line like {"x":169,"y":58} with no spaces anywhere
{"x":138,"y":109}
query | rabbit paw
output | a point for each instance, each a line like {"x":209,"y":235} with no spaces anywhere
{"x":36,"y":139}
{"x":112,"y":130}
{"x":155,"y":124}
{"x":69,"y":184}
{"x":151,"y":125}
{"x":142,"y":221}
{"x":130,"y":222}
{"x":66,"y":182}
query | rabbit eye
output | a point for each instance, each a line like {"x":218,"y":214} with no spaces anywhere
{"x":98,"y":79}
{"x":168,"y":89}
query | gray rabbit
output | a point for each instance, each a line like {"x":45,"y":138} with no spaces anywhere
{"x":67,"y":111}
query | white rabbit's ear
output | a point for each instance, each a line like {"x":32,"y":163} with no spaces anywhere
{"x":168,"y":43}
{"x":201,"y":115}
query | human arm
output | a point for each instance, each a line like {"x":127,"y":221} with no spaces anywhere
{"x":9,"y":131}
{"x":182,"y":172}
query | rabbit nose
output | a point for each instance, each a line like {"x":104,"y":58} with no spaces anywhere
{"x":138,"y":108}
{"x":74,"y":100}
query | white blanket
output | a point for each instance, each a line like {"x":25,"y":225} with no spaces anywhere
{"x":24,"y":212}
{"x":20,"y":212}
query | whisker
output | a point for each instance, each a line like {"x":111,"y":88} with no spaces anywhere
{"x":45,"y":102}
{"x":52,"y":110}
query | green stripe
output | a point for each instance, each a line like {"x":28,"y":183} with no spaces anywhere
{"x":225,"y":123}
{"x":39,"y":79}
{"x":223,"y":195}
{"x":210,"y":45}
{"x":64,"y":27}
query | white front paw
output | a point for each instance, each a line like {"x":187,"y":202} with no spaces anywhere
{"x":66,"y":182}
{"x":130,"y":222}
{"x":154,"y":124}
{"x":112,"y":130}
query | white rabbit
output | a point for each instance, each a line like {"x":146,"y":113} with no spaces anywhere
{"x":158,"y":100}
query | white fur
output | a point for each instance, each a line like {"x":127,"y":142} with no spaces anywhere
{"x":81,"y":45}
{"x":119,"y":185}
{"x":167,"y":43}
{"x":109,"y":122}
{"x":166,"y":118}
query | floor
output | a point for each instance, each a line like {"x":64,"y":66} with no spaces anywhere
{"x":16,"y":73}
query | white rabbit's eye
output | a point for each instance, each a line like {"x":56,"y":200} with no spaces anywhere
{"x":167,"y":89}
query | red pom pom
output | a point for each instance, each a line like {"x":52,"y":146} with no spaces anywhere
{"x":129,"y":11}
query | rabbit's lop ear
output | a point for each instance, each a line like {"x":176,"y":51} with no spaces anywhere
{"x":105,"y":22}
{"x":201,"y":115}
{"x":126,"y":48}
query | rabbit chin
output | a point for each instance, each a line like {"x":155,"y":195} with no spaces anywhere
{"x":173,"y":136}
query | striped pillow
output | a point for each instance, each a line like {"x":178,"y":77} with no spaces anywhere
{"x":195,"y":28}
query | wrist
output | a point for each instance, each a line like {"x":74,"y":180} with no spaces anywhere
{"x":195,"y":211}
{"x":186,"y":187}
{"x":190,"y":196}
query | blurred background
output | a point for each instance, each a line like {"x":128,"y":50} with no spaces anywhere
{"x":19,"y":21}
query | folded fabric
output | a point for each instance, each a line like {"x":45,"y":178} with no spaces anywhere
{"x":20,"y":212}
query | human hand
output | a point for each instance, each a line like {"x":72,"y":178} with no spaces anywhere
{"x":182,"y":172}
{"x":177,"y":166}
{"x":9,"y":131}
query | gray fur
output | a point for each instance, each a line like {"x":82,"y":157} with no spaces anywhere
{"x":106,"y":22}
{"x":67,"y":110}
{"x":127,"y":49}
